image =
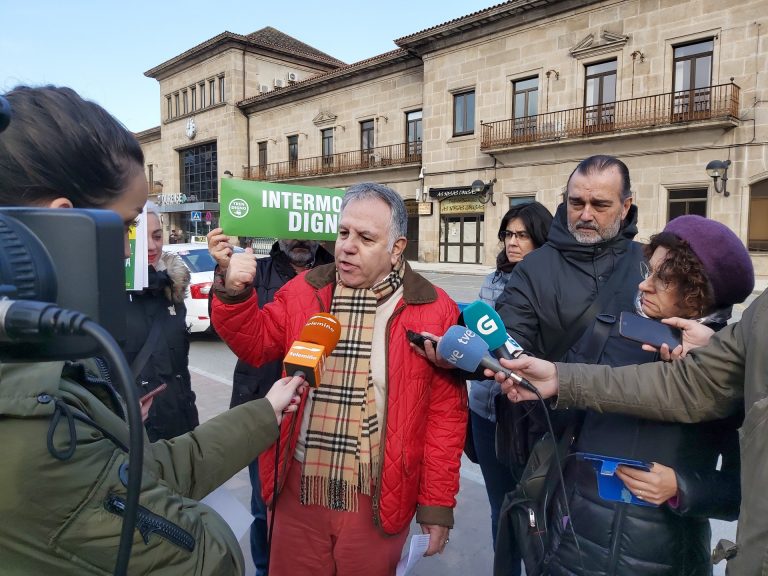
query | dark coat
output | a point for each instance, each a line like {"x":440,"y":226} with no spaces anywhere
{"x":173,"y":411}
{"x":617,"y":538}
{"x":272,"y":272}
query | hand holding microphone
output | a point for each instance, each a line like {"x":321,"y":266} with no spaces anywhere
{"x":466,"y":350}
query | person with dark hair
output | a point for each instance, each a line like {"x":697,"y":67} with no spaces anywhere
{"x":380,"y":439}
{"x":62,"y":482}
{"x":287,"y":259}
{"x":157,"y":321}
{"x":523,"y":229}
{"x":562,"y":302}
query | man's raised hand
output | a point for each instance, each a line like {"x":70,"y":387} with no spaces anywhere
{"x":241,"y":272}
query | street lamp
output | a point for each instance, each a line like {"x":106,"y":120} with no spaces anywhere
{"x":484,"y":191}
{"x":718,"y":169}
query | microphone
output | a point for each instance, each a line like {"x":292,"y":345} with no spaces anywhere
{"x":486,"y":323}
{"x":466,"y":350}
{"x":317,"y":340}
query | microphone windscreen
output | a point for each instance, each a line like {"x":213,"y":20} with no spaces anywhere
{"x":486,"y":323}
{"x":322,"y":328}
{"x":463,"y":348}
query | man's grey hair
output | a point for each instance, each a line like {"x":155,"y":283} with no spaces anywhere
{"x":398,"y":226}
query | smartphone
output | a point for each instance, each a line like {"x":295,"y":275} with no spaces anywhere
{"x":647,"y":331}
{"x":419,"y":339}
{"x":152,"y":393}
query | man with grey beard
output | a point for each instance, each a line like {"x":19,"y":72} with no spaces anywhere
{"x":542,"y":307}
{"x":286,"y":259}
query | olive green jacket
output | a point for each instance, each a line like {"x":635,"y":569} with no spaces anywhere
{"x":61,"y":454}
{"x":708,"y":384}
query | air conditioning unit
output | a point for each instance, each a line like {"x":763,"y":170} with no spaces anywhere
{"x":292,"y":77}
{"x":264,"y":88}
{"x":279,"y":83}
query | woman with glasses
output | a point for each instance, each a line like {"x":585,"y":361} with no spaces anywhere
{"x":523,"y":229}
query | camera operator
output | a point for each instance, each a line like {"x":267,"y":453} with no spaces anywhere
{"x":62,"y":480}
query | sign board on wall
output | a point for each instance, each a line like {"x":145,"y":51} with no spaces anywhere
{"x":425,"y":208}
{"x":462,"y":206}
{"x":252,"y":208}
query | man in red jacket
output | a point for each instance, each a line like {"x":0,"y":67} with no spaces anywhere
{"x":381,"y":438}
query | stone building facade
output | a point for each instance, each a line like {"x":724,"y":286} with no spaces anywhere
{"x":508,"y":99}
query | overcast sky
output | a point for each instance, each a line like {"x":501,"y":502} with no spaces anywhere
{"x":102,"y":48}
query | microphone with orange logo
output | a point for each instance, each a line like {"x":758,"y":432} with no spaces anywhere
{"x":316,"y":341}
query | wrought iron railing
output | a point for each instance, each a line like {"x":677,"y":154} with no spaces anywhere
{"x":381,"y":157}
{"x":706,"y":103}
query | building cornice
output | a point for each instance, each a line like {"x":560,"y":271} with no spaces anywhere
{"x":148,"y":135}
{"x":229,"y":40}
{"x":359,"y":72}
{"x":486,"y":22}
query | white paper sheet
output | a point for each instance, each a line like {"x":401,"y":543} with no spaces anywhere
{"x":417,"y":547}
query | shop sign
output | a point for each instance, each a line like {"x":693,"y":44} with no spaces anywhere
{"x":462,"y":206}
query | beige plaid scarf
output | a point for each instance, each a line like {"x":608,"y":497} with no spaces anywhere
{"x":342,"y":442}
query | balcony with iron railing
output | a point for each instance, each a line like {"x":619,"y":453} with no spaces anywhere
{"x":382,"y":157}
{"x":706,"y":105}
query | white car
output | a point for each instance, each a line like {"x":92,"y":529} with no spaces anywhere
{"x":201,"y":265}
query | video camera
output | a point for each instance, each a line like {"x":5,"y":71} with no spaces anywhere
{"x":67,"y":258}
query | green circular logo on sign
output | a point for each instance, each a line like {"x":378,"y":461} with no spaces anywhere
{"x":238,"y":208}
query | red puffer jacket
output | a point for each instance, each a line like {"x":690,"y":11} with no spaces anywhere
{"x":426,"y":410}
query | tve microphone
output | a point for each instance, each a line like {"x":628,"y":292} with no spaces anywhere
{"x":317,"y":340}
{"x":466,"y":350}
{"x":486,"y":323}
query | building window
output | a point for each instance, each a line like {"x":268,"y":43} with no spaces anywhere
{"x":366,"y":135}
{"x":600,"y":96}
{"x":757,"y":234}
{"x":185,"y":100}
{"x":211,"y":92}
{"x":221,"y":89}
{"x":464,"y":113}
{"x":202,"y":94}
{"x":692,"y":78}
{"x":193,"y":97}
{"x":525,"y":106}
{"x":176,"y":104}
{"x":262,"y":160}
{"x":199,"y":173}
{"x":293,"y":153}
{"x":169,"y":107}
{"x":413,"y":132}
{"x":327,"y":143}
{"x":687,"y":201}
{"x":151,"y":178}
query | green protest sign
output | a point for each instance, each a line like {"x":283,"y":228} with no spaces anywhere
{"x":251,"y":208}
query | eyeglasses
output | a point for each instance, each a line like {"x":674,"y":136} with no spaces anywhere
{"x":507,"y":234}
{"x":647,"y":273}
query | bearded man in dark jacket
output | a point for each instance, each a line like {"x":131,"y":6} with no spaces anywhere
{"x":592,"y":232}
{"x":286,"y":259}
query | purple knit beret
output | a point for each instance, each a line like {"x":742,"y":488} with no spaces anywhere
{"x":726,"y":261}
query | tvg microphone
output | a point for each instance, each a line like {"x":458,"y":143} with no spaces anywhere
{"x":467,"y":351}
{"x":486,"y":323}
